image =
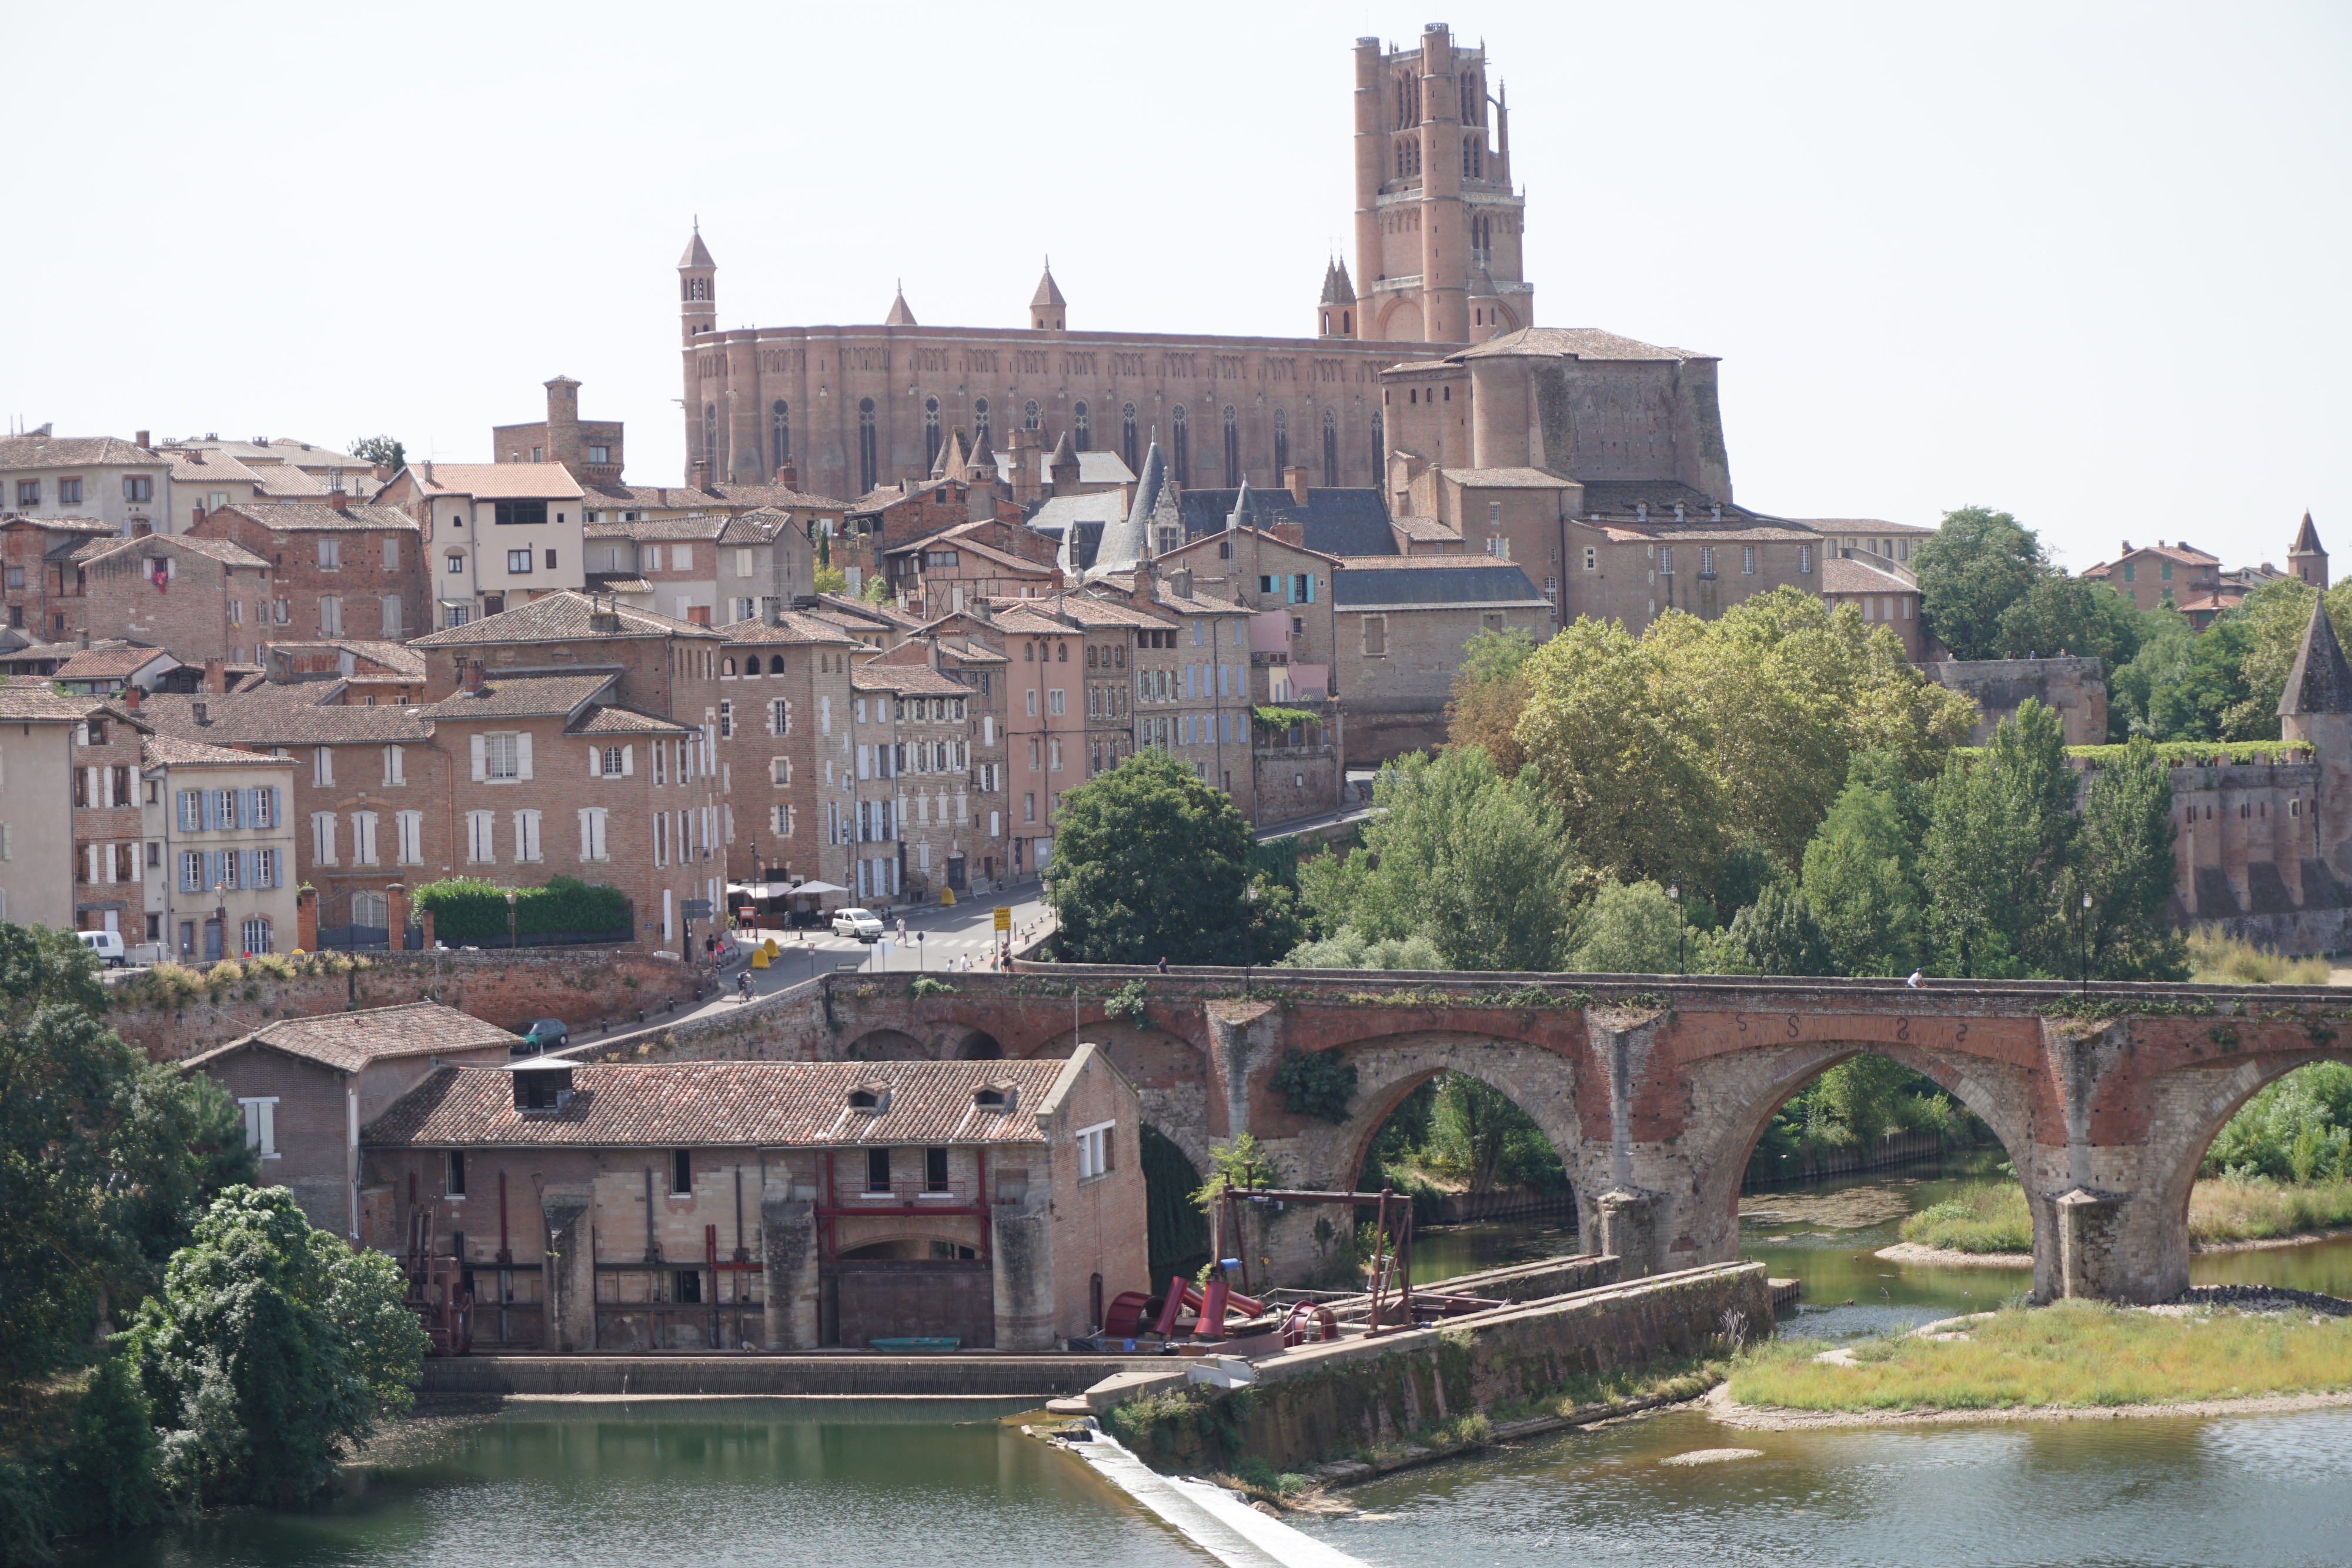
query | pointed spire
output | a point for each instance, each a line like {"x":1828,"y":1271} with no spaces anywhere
{"x":951,"y":460}
{"x":696,"y":253}
{"x":2320,"y":682}
{"x":900,"y":315}
{"x":2306,"y":539}
{"x":1049,"y":297}
{"x":1127,"y":540}
{"x":1244,"y":512}
{"x":982,"y":462}
{"x":1065,"y":454}
{"x":1337,"y":290}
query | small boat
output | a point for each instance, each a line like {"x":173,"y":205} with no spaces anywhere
{"x":916,"y":1346}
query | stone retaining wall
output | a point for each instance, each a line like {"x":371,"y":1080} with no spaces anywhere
{"x":684,"y":1376}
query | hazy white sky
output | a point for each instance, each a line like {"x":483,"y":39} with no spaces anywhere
{"x":2084,"y":262}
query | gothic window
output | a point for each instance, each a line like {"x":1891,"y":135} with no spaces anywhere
{"x":1379,"y":448}
{"x":1330,"y":446}
{"x":980,"y":423}
{"x":1281,"y":442}
{"x":867,"y":472}
{"x":710,"y":437}
{"x":780,"y":431}
{"x":931,"y":431}
{"x":1183,"y":449}
{"x":1127,"y":436}
{"x":1474,"y":160}
{"x":1080,"y":437}
{"x":1029,"y":416}
{"x":1232,"y":448}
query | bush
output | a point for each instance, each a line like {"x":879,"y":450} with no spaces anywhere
{"x":2231,"y":961}
{"x":1990,"y":1216}
{"x":469,"y":909}
{"x":1315,"y":1083}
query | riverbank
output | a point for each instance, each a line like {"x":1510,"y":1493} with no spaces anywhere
{"x":2071,"y":1356}
{"x":1988,"y":1225}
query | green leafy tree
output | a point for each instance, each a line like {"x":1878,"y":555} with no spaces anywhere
{"x":1861,"y":878}
{"x":271,"y":1349}
{"x":1978,"y":564}
{"x":381,"y":449}
{"x":1348,"y":948}
{"x":1315,"y":1083}
{"x":2000,"y":840}
{"x":1632,"y":928}
{"x":1777,"y":935}
{"x":1477,"y":1133}
{"x":876,"y":591}
{"x":1149,"y":862}
{"x":2309,"y":1109}
{"x":2142,"y":694}
{"x":831,"y":579}
{"x":2062,"y":614}
{"x":1490,"y":690}
{"x":2124,"y":867}
{"x":2274,"y":618}
{"x":1478,"y":865}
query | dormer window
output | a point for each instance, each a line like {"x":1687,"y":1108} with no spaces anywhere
{"x":872,"y":1099}
{"x":994,"y":1097}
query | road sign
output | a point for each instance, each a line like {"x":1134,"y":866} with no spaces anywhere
{"x":695,"y":908}
{"x":1005,"y":917}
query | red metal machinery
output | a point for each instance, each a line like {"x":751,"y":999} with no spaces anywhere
{"x":435,"y":1290}
{"x":1391,"y":1264}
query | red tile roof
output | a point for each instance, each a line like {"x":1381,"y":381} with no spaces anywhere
{"x":350,"y":1041}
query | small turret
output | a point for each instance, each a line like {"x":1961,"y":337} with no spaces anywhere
{"x":1045,"y":307}
{"x":900,"y":315}
{"x":2306,"y":558}
{"x":1062,"y":467}
{"x":698,"y":289}
{"x":1335,"y":312}
{"x":2319,"y":682}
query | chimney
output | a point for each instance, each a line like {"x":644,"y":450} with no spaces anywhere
{"x":381,"y":472}
{"x":788,"y":475}
{"x":131,"y":698}
{"x":428,"y":470}
{"x":475,"y":680}
{"x":202,"y":715}
{"x":141,"y":439}
{"x":1296,"y":477}
{"x":701,"y":473}
{"x":338,"y":500}
{"x":1180,"y":582}
{"x":216,"y":676}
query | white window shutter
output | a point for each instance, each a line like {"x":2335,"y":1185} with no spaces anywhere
{"x":522,"y":755}
{"x":482,"y":767}
{"x":628,"y":761}
{"x":584,"y":851}
{"x":595,"y":760}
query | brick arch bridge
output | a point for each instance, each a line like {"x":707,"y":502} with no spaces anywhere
{"x":1655,"y":1089}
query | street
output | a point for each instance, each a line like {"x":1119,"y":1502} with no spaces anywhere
{"x":937,"y":939}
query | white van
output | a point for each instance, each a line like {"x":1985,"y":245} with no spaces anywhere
{"x":107,"y":945}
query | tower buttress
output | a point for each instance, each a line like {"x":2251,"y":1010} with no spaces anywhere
{"x":1444,"y":231}
{"x":1371,"y":163}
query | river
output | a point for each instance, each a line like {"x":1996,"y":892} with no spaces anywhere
{"x":837,"y":1482}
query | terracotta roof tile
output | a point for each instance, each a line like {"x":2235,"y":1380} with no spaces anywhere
{"x":614,"y":719}
{"x":171,"y":751}
{"x":317,"y":517}
{"x":70,"y":452}
{"x":111,"y":663}
{"x":21,"y":704}
{"x":564,"y":617}
{"x":527,"y":696}
{"x":795,"y":627}
{"x":350,"y":1041}
{"x":281,"y":716}
{"x":742,"y":1105}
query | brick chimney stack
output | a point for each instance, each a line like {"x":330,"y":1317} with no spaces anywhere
{"x":339,"y":498}
{"x":1296,"y":477}
{"x":216,"y":676}
{"x":788,"y":475}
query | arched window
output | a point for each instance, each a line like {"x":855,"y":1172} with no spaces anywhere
{"x":1474,"y":151}
{"x":1330,"y":446}
{"x":1233,"y":448}
{"x":780,"y":431}
{"x":726,"y":668}
{"x":1127,"y":436}
{"x":1346,"y":322}
{"x":257,"y":935}
{"x":1281,"y":442}
{"x":1082,"y":435}
{"x":710,"y":437}
{"x":980,"y":423}
{"x":751,"y":664}
{"x":1030,"y":420}
{"x":1180,"y":450}
{"x":867,"y":471}
{"x":931,"y":431}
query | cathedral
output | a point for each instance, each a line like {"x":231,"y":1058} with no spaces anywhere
{"x":1438,"y":268}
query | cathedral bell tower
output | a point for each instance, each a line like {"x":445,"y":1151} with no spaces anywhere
{"x":697,"y":289}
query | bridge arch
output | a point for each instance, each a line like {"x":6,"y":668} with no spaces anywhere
{"x":885,"y":1045}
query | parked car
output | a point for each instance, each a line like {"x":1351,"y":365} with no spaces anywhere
{"x":543,"y":1035}
{"x":862,"y":923}
{"x":108,"y":945}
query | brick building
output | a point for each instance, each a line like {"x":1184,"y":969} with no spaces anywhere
{"x":784,"y":748}
{"x":194,"y":595}
{"x":336,"y":568}
{"x":939,"y":574}
{"x":1000,"y":1204}
{"x":41,"y":737}
{"x":307,"y":1086}
{"x":704,"y":566}
{"x":1402,"y":624}
{"x":205,"y":481}
{"x":108,"y":834}
{"x":1884,"y":593}
{"x":42,"y":581}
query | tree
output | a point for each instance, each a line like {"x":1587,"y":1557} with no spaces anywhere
{"x":1777,"y":935}
{"x":1348,"y":948}
{"x":2000,"y":840}
{"x":2062,"y":614}
{"x":1477,"y":864}
{"x":1490,"y":690}
{"x":271,"y":1348}
{"x":1860,"y":873}
{"x":1149,"y":862}
{"x":382,"y":450}
{"x":1631,"y":929}
{"x":2125,"y":867}
{"x":831,"y":580}
{"x":1475,"y":1131}
{"x":1978,"y":564}
{"x":2140,"y":694}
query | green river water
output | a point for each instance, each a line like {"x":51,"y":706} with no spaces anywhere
{"x":721,"y":1483}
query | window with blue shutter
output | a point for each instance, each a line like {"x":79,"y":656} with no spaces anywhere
{"x":212,"y":812}
{"x":192,"y":811}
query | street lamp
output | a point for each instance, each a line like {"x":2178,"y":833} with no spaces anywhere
{"x":511,"y":939}
{"x":1682,"y":958}
{"x":2083,"y":935}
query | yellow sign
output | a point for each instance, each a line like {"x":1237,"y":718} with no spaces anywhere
{"x":1005,"y":917}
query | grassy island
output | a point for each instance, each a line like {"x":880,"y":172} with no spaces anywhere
{"x":1992,"y":1216}
{"x":2072,"y":1353}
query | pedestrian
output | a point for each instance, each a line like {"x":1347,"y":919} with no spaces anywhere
{"x":902,"y":931}
{"x":1163,"y":965}
{"x":1915,"y":979}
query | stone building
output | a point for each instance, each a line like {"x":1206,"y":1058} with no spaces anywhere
{"x":500,"y":534}
{"x":996,"y":1203}
{"x":336,"y":568}
{"x":2074,"y":686}
{"x":124,"y":484}
{"x":307,"y":1086}
{"x":39,"y":734}
{"x":1402,"y":626}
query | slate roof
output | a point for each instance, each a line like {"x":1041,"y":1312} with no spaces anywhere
{"x":2306,"y":539}
{"x":317,"y":516}
{"x":1582,"y":343}
{"x":1432,"y":581}
{"x":562,"y":617}
{"x":1336,"y":521}
{"x":23,"y":703}
{"x":70,"y":452}
{"x":173,"y":751}
{"x":2319,"y":682}
{"x":350,"y":1043}
{"x":526,"y":696}
{"x":745,"y":1104}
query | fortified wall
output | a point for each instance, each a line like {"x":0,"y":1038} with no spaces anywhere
{"x":2076,"y":689}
